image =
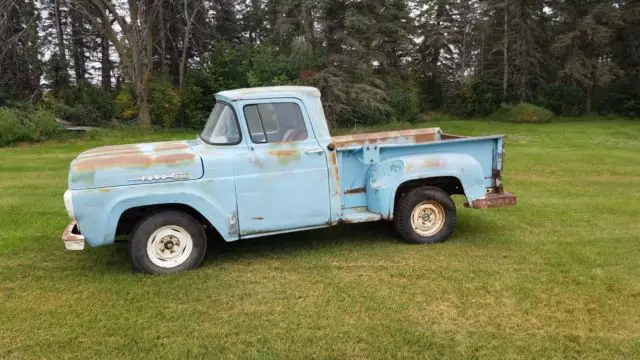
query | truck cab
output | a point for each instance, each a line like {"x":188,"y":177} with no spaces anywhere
{"x":266,"y":163}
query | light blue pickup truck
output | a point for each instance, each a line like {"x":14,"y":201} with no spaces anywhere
{"x":265,"y":164}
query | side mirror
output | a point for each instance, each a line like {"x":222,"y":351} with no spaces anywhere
{"x":331,"y":146}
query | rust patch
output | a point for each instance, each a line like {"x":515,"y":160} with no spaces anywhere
{"x":494,"y":200}
{"x":93,"y":164}
{"x":423,"y":138}
{"x":283,"y":152}
{"x":111,"y":151}
{"x":418,"y":136}
{"x":170,"y":146}
{"x":409,"y":166}
{"x":106,"y":190}
{"x":258,"y":218}
{"x":174,"y":158}
{"x":285,"y":156}
{"x":108,"y":162}
{"x":356,"y":191}
{"x":431,"y":163}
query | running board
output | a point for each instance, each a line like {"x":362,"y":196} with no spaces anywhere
{"x":358,"y":215}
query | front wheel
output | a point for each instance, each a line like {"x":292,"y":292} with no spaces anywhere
{"x":166,"y":242}
{"x":425,"y":215}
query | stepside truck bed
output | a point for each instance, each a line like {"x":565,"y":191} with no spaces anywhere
{"x":425,"y":150}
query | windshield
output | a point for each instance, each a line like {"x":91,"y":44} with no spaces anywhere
{"x":221,"y":127}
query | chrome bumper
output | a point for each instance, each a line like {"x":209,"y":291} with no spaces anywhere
{"x":73,"y":240}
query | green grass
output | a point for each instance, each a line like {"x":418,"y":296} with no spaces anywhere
{"x":558,"y":276}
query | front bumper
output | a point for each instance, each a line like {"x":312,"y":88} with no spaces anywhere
{"x":72,"y":238}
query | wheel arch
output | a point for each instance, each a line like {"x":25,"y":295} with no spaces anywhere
{"x":449,"y":183}
{"x":132,"y":209}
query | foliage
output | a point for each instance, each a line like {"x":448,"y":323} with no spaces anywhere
{"x":11,"y":127}
{"x":561,"y":98}
{"x":164,"y":101}
{"x":473,"y":96}
{"x":125,"y":103}
{"x":404,"y":100}
{"x":523,"y":113}
{"x":26,"y":124}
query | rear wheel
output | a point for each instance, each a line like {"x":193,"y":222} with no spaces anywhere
{"x":166,"y":242}
{"x":425,"y":215}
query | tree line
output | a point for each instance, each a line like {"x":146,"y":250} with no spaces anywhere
{"x":161,"y":61}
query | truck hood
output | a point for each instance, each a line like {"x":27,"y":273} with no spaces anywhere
{"x":135,"y":164}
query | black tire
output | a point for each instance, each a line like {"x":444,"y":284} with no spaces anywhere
{"x":409,"y":201}
{"x":140,"y":237}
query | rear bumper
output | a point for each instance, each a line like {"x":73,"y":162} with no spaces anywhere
{"x":72,"y":238}
{"x":494,"y":200}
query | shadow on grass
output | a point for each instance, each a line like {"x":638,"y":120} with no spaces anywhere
{"x":116,"y":258}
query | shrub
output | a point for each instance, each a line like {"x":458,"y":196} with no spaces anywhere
{"x":11,"y":128}
{"x":562,"y":99}
{"x":42,"y":125}
{"x":473,"y":96}
{"x":523,"y":113}
{"x":125,"y":103}
{"x":18,"y":124}
{"x":164,"y":102}
{"x":403,"y":99}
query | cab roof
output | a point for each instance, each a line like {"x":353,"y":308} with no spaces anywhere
{"x":267,"y":92}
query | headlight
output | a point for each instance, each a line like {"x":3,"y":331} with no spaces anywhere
{"x":68,"y":204}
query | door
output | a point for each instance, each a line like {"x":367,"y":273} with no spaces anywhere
{"x":283,"y":183}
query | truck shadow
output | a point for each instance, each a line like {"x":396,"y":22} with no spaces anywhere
{"x":303,"y":241}
{"x":116,"y":257}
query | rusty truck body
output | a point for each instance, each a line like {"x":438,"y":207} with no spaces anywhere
{"x":265,"y":164}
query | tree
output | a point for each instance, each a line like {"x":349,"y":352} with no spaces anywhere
{"x":585,"y":45}
{"x":133,"y":43}
{"x":20,"y":67}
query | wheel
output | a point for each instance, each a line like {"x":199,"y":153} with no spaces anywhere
{"x":167,"y":242}
{"x":425,"y":215}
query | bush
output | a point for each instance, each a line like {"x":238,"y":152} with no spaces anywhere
{"x":24,"y":125}
{"x":403,"y":99}
{"x":11,"y":128}
{"x":474,"y":96}
{"x":164,"y":102}
{"x":523,"y":113}
{"x":562,"y":99}
{"x":42,"y":125}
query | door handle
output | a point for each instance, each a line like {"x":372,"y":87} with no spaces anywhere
{"x":313,"y":151}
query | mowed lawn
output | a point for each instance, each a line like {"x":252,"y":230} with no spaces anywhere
{"x":557,"y":276}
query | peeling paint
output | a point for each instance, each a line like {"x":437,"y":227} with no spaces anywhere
{"x":234,"y":229}
{"x":433,"y":163}
{"x":171,"y":145}
{"x":143,"y":161}
{"x":286,"y":156}
{"x":413,"y":136}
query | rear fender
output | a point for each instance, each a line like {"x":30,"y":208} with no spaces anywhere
{"x":387,"y":176}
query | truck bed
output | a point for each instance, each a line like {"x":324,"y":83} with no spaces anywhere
{"x":357,"y":153}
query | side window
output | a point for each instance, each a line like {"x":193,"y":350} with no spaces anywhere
{"x":275,"y":122}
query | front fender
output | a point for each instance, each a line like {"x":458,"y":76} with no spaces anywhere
{"x":388,"y":175}
{"x":99,"y":210}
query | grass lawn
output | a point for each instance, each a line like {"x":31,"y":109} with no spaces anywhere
{"x":558,"y":276}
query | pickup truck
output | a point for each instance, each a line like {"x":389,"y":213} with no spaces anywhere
{"x":266,"y":164}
